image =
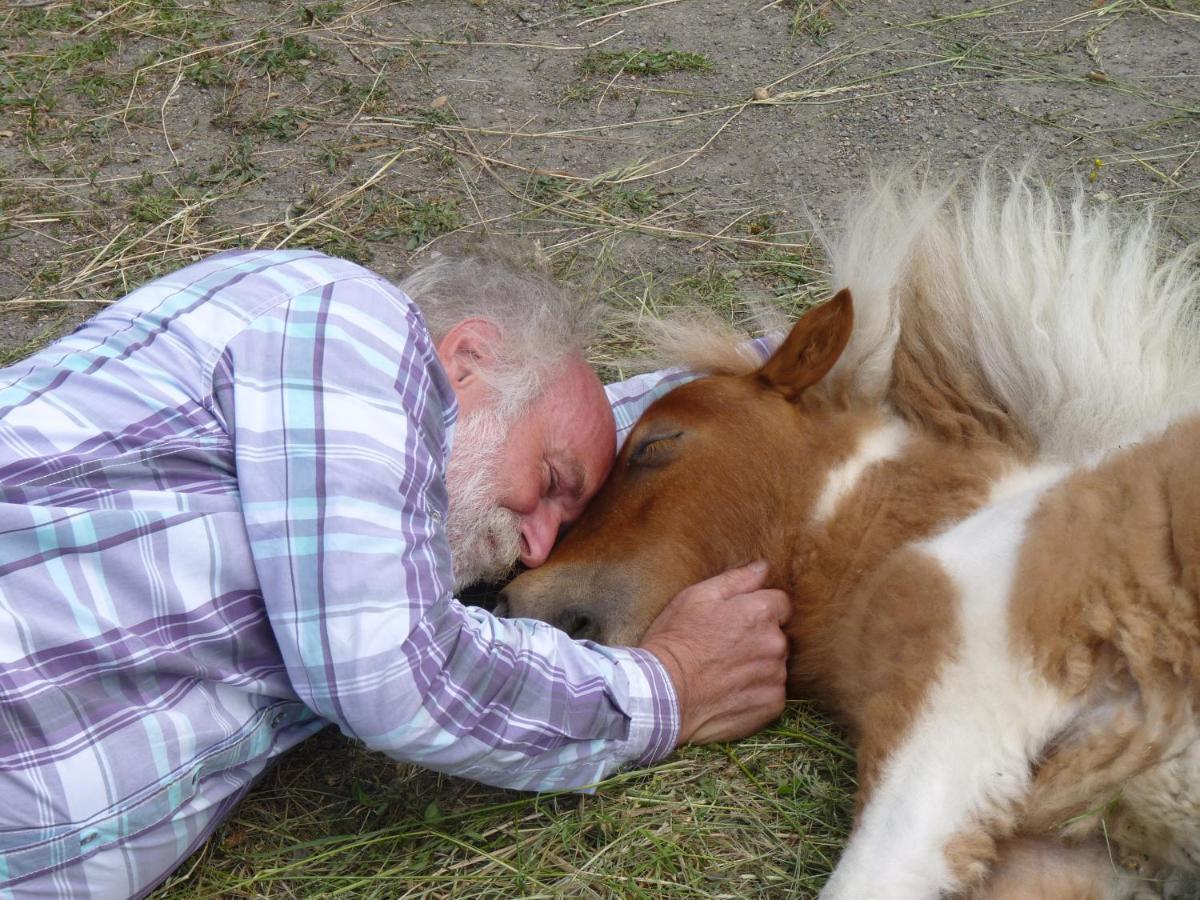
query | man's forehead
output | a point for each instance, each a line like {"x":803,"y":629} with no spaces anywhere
{"x":581,"y":433}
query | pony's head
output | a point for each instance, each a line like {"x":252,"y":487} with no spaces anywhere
{"x":703,"y":484}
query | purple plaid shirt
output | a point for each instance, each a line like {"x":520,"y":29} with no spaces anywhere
{"x":220,"y":520}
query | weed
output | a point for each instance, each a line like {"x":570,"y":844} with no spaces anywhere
{"x":10,"y":355}
{"x":321,"y":12}
{"x":441,"y":158}
{"x":792,"y":275}
{"x":626,"y":202}
{"x":237,"y":166}
{"x":429,"y":218}
{"x":283,"y":124}
{"x":577,"y":93}
{"x":370,"y":98}
{"x":184,"y":25}
{"x":154,"y":208}
{"x":209,"y":72}
{"x":761,"y":225}
{"x":435,"y":117}
{"x":418,"y":221}
{"x":811,"y":18}
{"x":67,"y":18}
{"x":642,"y":62}
{"x":99,"y":88}
{"x":332,"y":157}
{"x":66,"y":59}
{"x":548,"y":188}
{"x":288,"y":55}
{"x":716,"y":288}
{"x":338,"y":243}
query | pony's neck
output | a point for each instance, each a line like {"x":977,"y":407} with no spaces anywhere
{"x":898,"y":484}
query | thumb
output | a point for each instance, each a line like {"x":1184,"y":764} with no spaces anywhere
{"x":743,"y":580}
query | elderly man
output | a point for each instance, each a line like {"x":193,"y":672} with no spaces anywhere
{"x":234,"y":508}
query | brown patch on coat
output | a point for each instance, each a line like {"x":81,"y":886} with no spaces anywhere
{"x":842,"y":573}
{"x":932,"y":386}
{"x":1107,"y":603}
{"x":1047,"y":869}
{"x":969,"y":855}
{"x":901,"y":627}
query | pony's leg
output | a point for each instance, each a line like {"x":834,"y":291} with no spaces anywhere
{"x":1047,"y":869}
{"x":952,"y":786}
{"x":953,"y":782}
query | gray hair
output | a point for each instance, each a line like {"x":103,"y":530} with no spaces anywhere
{"x":541,"y":323}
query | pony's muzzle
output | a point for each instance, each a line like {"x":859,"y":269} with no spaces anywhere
{"x":541,"y":594}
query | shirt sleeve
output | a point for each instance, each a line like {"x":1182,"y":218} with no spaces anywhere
{"x":337,"y":413}
{"x":633,"y":396}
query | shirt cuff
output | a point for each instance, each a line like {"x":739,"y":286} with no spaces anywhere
{"x":654,"y":708}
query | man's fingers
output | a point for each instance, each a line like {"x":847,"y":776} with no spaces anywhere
{"x":778,"y":605}
{"x":771,"y":605}
{"x":743,"y":580}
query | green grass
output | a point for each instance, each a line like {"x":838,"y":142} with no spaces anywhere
{"x":288,"y":55}
{"x":281,"y":124}
{"x":46,"y":332}
{"x":642,"y":62}
{"x":813,"y":18}
{"x":154,"y":208}
{"x":755,"y":819}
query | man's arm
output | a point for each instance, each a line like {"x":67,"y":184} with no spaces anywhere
{"x":339,"y":448}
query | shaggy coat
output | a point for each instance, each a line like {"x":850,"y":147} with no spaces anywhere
{"x":976,"y":471}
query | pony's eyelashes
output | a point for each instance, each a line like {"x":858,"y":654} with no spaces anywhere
{"x":655,"y":449}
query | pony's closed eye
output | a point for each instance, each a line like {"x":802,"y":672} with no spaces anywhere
{"x":655,"y":450}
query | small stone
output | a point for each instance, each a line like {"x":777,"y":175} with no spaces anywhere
{"x":439,"y":102}
{"x":760,"y":94}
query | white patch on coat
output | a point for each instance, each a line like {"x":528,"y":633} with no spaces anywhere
{"x":1026,"y":478}
{"x":969,"y":751}
{"x":885,"y":442}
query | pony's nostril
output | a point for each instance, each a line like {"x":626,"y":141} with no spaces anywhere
{"x":500,"y":610}
{"x":577,"y":623}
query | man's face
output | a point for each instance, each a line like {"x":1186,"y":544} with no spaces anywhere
{"x":513,"y":485}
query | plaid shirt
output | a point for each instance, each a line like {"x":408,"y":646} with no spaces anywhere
{"x":220,"y":520}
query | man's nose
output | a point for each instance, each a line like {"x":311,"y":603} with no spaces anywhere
{"x":539,"y":529}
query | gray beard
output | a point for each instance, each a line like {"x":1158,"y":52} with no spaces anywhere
{"x":484,"y":538}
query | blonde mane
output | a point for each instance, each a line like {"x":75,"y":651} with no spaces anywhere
{"x":700,"y":340}
{"x":997,"y":310}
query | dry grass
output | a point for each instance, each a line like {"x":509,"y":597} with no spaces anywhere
{"x":137,"y":135}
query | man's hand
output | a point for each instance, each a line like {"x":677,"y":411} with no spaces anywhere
{"x":722,"y":644}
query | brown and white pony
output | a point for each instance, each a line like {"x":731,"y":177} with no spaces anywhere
{"x":979,"y":480}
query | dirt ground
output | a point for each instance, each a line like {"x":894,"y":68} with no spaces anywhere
{"x":661,"y":152}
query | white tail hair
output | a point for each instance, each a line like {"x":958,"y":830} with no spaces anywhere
{"x":1081,"y":329}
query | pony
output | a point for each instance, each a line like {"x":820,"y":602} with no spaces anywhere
{"x":976,"y":471}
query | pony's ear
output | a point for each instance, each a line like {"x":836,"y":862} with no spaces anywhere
{"x":813,"y":346}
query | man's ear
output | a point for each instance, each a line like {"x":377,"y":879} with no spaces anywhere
{"x":813,"y":346}
{"x":466,"y":348}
